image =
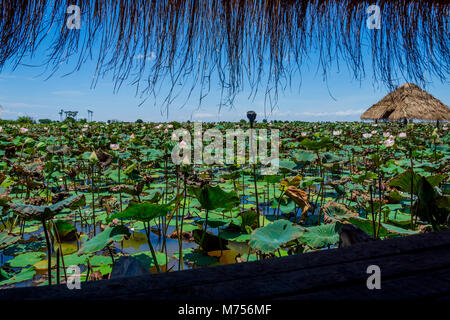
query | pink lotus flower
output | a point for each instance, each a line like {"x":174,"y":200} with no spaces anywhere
{"x":132,"y":136}
{"x":402,"y":135}
{"x":367,"y":135}
{"x":23,"y":130}
{"x":183,"y":144}
{"x":114,"y":146}
{"x":170,"y":126}
{"x":389,"y":142}
{"x":1,"y":129}
{"x":304,"y":134}
{"x":386,"y":134}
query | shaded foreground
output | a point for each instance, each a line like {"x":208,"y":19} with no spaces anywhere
{"x":415,"y":267}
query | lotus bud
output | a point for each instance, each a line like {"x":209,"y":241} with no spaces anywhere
{"x":434,"y":134}
{"x":93,"y":158}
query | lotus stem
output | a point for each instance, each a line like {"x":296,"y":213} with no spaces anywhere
{"x":49,"y":254}
{"x":147,"y":232}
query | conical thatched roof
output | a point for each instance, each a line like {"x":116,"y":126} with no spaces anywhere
{"x":408,"y":102}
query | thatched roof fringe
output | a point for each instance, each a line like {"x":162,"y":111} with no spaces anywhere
{"x":151,"y":41}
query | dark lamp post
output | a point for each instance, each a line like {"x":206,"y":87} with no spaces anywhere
{"x":251,"y":115}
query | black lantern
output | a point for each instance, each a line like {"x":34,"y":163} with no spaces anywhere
{"x":251,"y":115}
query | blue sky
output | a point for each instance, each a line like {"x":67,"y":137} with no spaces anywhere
{"x":27,"y":91}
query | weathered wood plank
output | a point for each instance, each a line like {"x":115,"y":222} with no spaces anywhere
{"x":331,"y":274}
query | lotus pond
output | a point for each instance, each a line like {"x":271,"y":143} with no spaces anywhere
{"x":77,"y":194}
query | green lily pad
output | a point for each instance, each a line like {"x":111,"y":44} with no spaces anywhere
{"x":26,"y":259}
{"x":6,"y":239}
{"x":321,"y":236}
{"x":142,"y":211}
{"x":271,"y":237}
{"x":104,"y":238}
{"x":23,"y":275}
{"x":147,"y":260}
{"x":212,"y":198}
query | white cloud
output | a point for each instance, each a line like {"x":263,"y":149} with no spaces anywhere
{"x":24,"y":105}
{"x":152,"y":56}
{"x":204,"y":115}
{"x":349,"y":112}
{"x":7,"y":76}
{"x":67,"y":93}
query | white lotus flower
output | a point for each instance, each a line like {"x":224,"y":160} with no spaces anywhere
{"x":114,"y":146}
{"x":367,"y":135}
{"x":402,"y":135}
{"x":386,"y":134}
{"x":389,"y":142}
{"x":23,"y":130}
{"x":374,"y":132}
{"x":304,"y":134}
{"x":337,"y":132}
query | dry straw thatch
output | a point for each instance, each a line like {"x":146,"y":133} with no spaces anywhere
{"x":229,"y":41}
{"x":408,"y":102}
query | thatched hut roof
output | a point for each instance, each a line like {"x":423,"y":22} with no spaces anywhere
{"x":408,"y":102}
{"x":230,"y":41}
